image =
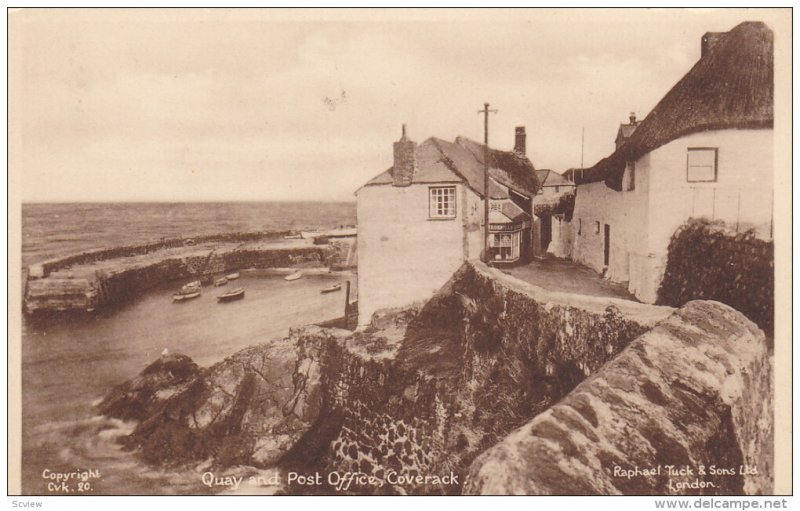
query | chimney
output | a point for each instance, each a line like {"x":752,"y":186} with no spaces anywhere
{"x":633,"y":118}
{"x":519,"y":140}
{"x":709,"y":41}
{"x":405,"y":160}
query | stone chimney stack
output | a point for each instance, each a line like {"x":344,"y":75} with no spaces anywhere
{"x":405,"y":160}
{"x":632,"y":118}
{"x":519,"y":140}
{"x":709,"y":41}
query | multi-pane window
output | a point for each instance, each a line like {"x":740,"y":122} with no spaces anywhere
{"x":495,"y":206}
{"x":442,"y":202}
{"x":701,"y":164}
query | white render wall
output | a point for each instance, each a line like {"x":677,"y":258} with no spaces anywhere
{"x":403,"y":256}
{"x":643,"y":220}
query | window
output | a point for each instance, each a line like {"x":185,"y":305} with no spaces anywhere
{"x":597,"y":227}
{"x":495,"y":206}
{"x":631,"y":175}
{"x":556,"y":189}
{"x":579,"y":226}
{"x":701,"y":164}
{"x":442,"y":202}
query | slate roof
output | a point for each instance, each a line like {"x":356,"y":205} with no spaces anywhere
{"x":440,"y":161}
{"x":548,"y":177}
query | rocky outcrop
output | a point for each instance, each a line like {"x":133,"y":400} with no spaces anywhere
{"x":87,"y":281}
{"x":145,"y":395}
{"x":248,"y":409}
{"x":685,"y":409}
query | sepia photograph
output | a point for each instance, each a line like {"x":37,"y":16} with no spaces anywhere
{"x":397,"y":252}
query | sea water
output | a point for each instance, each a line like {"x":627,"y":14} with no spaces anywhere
{"x":70,"y":362}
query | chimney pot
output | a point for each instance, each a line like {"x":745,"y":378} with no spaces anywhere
{"x":519,"y":140}
{"x":633,"y":118}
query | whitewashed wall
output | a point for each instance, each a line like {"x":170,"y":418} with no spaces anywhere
{"x":643,"y":220}
{"x":403,"y":256}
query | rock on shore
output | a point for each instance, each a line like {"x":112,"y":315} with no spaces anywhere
{"x":248,"y":409}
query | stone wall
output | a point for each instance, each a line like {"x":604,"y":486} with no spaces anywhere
{"x":482,"y":357}
{"x":694,"y":394}
{"x":43,"y":269}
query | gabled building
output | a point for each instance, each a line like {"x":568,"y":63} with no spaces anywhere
{"x":553,"y":184}
{"x":625,"y":131}
{"x":706,"y":150}
{"x":422,"y":218}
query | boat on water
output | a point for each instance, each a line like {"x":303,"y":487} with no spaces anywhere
{"x":232,"y":276}
{"x":233,"y":294}
{"x":331,"y":289}
{"x":184,"y":296}
{"x":191,"y":286}
{"x":294,"y":276}
{"x":220,"y":282}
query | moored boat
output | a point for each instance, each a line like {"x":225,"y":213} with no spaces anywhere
{"x":232,"y":276}
{"x":233,"y":294}
{"x":191,"y":287}
{"x":185,"y":295}
{"x":294,"y":276}
{"x":220,"y":282}
{"x":331,"y":289}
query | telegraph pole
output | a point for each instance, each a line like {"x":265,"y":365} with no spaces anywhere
{"x":486,"y":113}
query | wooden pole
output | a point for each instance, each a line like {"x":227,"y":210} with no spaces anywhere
{"x":485,"y":113}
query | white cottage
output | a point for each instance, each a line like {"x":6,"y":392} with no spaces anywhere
{"x":421,"y":219}
{"x":704,"y":151}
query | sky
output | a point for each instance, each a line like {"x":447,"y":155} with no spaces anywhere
{"x":265,"y":105}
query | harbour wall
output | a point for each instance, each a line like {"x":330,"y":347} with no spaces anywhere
{"x":97,"y":278}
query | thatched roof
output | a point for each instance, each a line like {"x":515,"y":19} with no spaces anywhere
{"x":730,"y":87}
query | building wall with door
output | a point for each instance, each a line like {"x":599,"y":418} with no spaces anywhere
{"x":665,"y":192}
{"x":625,"y":213}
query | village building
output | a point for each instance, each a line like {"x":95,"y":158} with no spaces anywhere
{"x":625,"y":131}
{"x":553,"y":198}
{"x":421,"y":219}
{"x":553,"y":184}
{"x":706,"y":150}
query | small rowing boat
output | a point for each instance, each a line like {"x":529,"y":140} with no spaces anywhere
{"x":185,"y":296}
{"x":294,"y":276}
{"x":331,"y":289}
{"x":220,"y":282}
{"x":232,"y":276}
{"x":233,"y":294}
{"x":191,"y":287}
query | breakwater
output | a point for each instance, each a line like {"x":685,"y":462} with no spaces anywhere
{"x":96,"y":278}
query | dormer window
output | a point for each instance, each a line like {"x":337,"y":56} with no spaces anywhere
{"x":701,"y":164}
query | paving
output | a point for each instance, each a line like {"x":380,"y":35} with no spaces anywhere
{"x":569,"y":277}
